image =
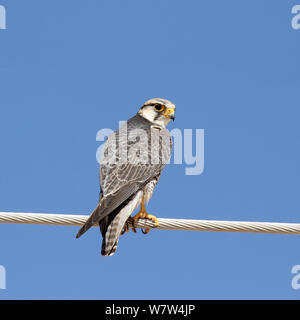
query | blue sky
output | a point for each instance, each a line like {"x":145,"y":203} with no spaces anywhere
{"x":70,"y":68}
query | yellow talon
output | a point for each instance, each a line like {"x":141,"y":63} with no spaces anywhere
{"x":153,"y":218}
{"x":142,"y":214}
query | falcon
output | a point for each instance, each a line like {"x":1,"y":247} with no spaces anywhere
{"x":131,"y":163}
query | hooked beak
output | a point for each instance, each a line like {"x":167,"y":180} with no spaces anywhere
{"x":170,"y":113}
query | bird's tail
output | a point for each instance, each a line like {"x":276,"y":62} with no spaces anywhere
{"x":109,"y":227}
{"x":112,"y":225}
{"x":108,"y":224}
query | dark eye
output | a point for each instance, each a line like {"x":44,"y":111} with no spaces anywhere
{"x":159,"y":107}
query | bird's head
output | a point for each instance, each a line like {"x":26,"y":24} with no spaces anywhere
{"x":158,"y":111}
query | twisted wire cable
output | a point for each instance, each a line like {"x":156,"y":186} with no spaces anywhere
{"x":165,"y":224}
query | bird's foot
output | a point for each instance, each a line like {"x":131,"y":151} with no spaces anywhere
{"x":144,"y":215}
{"x":127,"y":227}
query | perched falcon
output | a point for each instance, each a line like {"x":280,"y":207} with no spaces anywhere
{"x":131,"y":163}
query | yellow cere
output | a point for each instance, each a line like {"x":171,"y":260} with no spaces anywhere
{"x":168,"y":111}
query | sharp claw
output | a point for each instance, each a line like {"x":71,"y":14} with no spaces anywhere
{"x":132,"y":223}
{"x":125,"y":230}
{"x":126,"y":226}
{"x":133,"y":229}
{"x":145,"y":215}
